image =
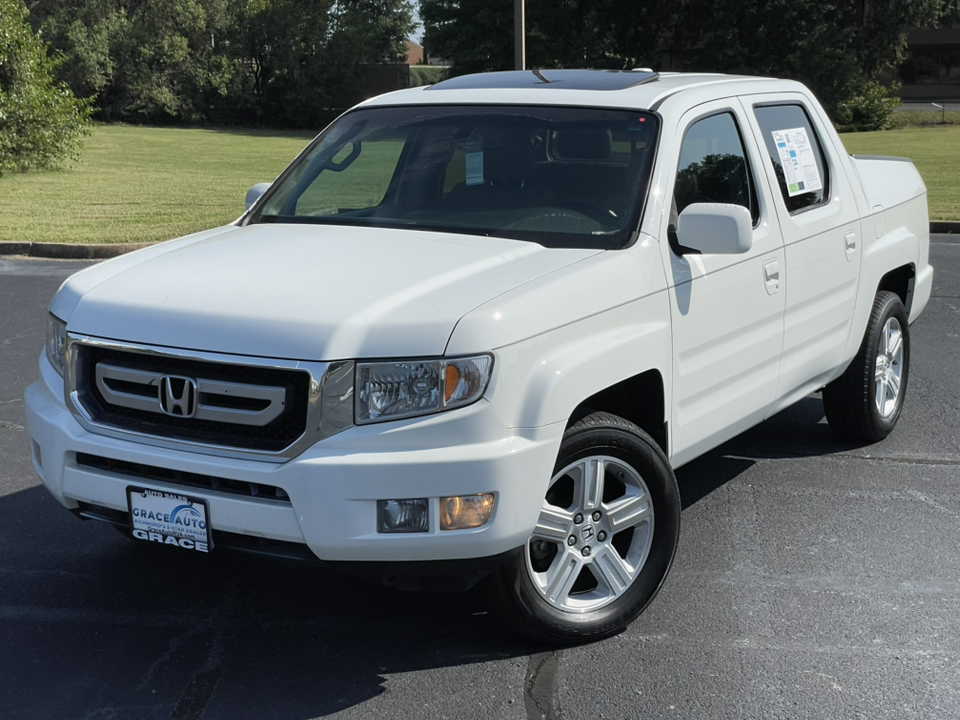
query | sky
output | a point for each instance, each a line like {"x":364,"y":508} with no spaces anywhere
{"x":417,"y":35}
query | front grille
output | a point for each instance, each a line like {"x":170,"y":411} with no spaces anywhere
{"x":151,"y":473}
{"x":274,"y":436}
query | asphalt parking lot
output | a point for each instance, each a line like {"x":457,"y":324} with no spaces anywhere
{"x":814,"y":579}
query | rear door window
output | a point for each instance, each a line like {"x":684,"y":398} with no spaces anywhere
{"x":796,"y":155}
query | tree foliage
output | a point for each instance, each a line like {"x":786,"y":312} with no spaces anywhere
{"x":835,"y":46}
{"x":475,"y":35}
{"x":273,"y":62}
{"x":870,"y":108}
{"x":478,"y":36}
{"x":41,"y":122}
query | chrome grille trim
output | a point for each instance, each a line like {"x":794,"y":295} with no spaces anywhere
{"x":330,"y":389}
{"x":149,"y":399}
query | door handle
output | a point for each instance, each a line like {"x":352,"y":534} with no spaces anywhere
{"x":771,"y":276}
{"x":850,"y":242}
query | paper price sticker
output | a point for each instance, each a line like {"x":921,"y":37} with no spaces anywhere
{"x":798,"y":160}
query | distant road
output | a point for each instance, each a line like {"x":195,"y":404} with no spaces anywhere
{"x":951,"y":106}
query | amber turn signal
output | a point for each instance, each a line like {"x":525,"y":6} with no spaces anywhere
{"x":453,"y":380}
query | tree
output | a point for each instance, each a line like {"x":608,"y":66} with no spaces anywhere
{"x":835,"y":46}
{"x":142,"y":61}
{"x":273,"y":62}
{"x":478,"y":36}
{"x":41,"y":122}
{"x":301,"y":61}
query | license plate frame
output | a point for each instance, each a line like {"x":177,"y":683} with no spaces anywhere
{"x":169,"y":518}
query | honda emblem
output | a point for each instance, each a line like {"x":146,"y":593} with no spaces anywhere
{"x":178,"y":396}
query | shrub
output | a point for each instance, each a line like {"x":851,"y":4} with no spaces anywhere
{"x":870,"y":108}
{"x":41,"y":122}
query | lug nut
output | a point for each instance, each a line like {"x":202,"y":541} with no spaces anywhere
{"x":572,"y":540}
{"x":577,"y":519}
{"x":596,"y":515}
{"x":586,"y":551}
{"x":601,"y":536}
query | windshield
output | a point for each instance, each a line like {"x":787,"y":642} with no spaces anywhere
{"x":559,"y":176}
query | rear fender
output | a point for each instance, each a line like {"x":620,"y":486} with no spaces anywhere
{"x":898,"y":246}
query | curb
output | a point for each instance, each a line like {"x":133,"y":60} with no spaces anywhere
{"x":68,"y":251}
{"x":944,"y":226}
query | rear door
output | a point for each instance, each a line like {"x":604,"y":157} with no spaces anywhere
{"x":821,"y":233}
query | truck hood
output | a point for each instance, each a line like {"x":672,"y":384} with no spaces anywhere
{"x":302,"y":292}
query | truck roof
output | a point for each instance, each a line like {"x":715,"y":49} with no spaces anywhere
{"x":636,"y":89}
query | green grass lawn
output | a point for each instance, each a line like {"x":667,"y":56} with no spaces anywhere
{"x":936,"y":152}
{"x":136,"y":184}
{"x":917,"y":118}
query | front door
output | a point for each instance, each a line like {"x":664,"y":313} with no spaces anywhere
{"x":727,"y":310}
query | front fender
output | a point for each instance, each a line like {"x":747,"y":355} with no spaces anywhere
{"x":542,"y":380}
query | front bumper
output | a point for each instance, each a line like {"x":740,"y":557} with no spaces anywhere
{"x":332,"y":488}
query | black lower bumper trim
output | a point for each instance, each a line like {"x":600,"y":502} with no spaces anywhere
{"x":438,"y":575}
{"x":232,"y":541}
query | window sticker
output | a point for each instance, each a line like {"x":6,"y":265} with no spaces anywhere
{"x":474,"y":164}
{"x":798,"y":160}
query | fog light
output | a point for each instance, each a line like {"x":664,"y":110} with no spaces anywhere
{"x":402,"y":516}
{"x":465,"y":511}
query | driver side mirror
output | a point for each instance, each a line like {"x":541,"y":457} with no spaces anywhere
{"x":715,"y":228}
{"x":256,"y":192}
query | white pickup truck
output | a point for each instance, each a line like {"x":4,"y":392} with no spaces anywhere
{"x":473,"y":328}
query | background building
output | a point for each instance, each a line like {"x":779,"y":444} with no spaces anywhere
{"x":931,"y":69}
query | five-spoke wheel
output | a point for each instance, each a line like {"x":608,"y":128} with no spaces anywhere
{"x":865,"y":402}
{"x":604,"y":539}
{"x":889,"y":368}
{"x":593,"y":536}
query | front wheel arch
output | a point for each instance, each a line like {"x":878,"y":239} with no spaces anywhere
{"x":602,"y":600}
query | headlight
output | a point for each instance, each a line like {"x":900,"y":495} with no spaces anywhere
{"x":56,"y":343}
{"x":406,"y":388}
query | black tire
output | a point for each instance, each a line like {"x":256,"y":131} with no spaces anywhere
{"x":851,"y":402}
{"x":621,"y":453}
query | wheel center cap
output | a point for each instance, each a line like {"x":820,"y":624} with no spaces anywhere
{"x":587,"y":533}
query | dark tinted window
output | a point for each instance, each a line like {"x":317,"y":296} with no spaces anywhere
{"x":713,"y":166}
{"x":796,"y":155}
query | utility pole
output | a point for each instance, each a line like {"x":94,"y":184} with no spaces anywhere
{"x":519,"y":37}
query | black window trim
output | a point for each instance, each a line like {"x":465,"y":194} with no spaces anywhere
{"x":754,"y":189}
{"x":824,"y":157}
